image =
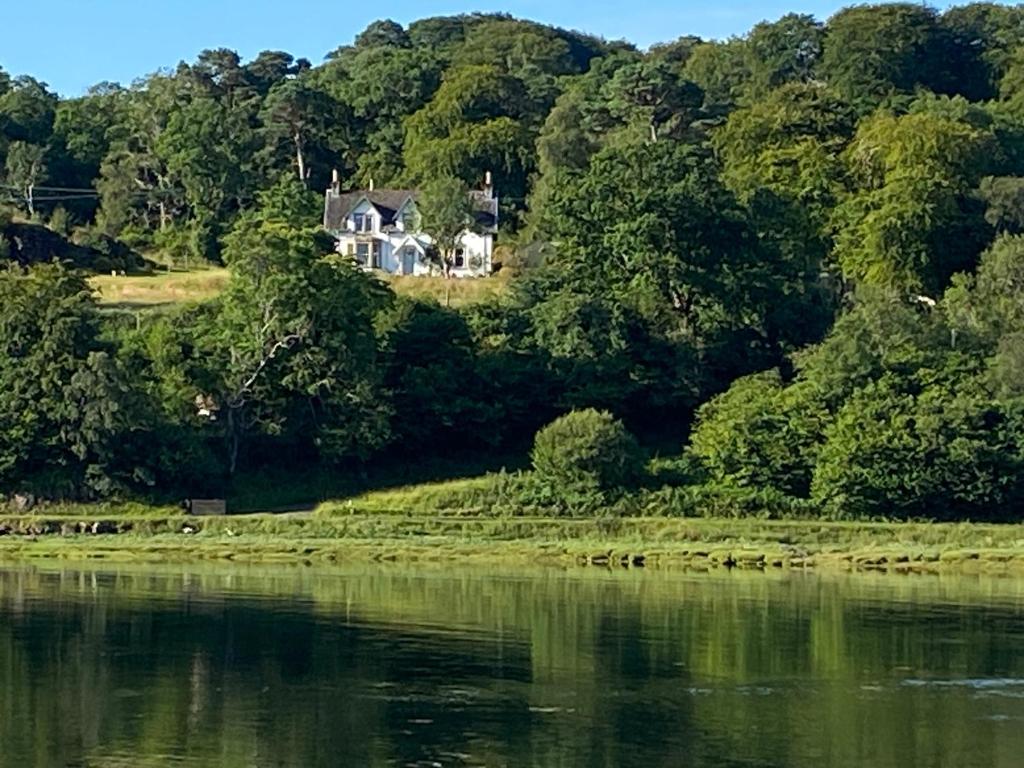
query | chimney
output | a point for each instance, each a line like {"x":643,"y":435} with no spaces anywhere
{"x":336,"y":182}
{"x":371,"y":183}
{"x":488,"y":185}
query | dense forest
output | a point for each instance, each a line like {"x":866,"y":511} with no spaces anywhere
{"x":791,"y":262}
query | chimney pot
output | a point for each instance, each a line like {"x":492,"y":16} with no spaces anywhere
{"x":371,"y":183}
{"x":335,"y":181}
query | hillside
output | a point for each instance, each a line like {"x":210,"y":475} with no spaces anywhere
{"x":790,"y":263}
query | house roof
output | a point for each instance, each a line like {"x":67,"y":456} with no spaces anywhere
{"x":410,"y":240}
{"x":389,"y":202}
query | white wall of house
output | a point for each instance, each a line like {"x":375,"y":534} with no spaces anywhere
{"x":391,"y":250}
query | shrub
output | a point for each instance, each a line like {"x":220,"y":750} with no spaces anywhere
{"x":586,"y":457}
{"x":946,"y":450}
{"x":761,"y":434}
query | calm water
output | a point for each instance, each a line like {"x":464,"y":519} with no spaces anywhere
{"x":434,"y":667}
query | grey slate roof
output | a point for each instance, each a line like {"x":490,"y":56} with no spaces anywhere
{"x":388,"y":202}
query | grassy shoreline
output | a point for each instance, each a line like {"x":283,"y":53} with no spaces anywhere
{"x":366,"y":535}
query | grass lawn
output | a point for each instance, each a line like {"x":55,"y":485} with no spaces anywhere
{"x":454,"y":293}
{"x":166,"y":288}
{"x":159,"y":288}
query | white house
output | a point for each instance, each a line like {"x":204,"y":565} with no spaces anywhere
{"x":379,"y":229}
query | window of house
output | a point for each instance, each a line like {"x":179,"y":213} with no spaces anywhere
{"x":409,"y":221}
{"x":363,"y":222}
{"x":460,"y":258}
{"x":376,"y":255}
{"x":363,"y":253}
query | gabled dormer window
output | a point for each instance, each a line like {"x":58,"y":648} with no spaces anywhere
{"x":363,"y":222}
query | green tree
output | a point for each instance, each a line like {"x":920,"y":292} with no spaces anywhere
{"x":762,"y":434}
{"x":651,"y":225}
{"x":26,"y":167}
{"x":297,"y":115}
{"x":380,"y":86}
{"x":586,"y":456}
{"x":722,"y":71}
{"x":385,"y":33}
{"x":913,"y":220}
{"x":1004,"y":200}
{"x":654,"y":91}
{"x":67,"y":410}
{"x":208,"y":148}
{"x":783,"y":51}
{"x":988,"y":305}
{"x":446,"y":212}
{"x":294,"y":340}
{"x":782,"y":156}
{"x":882,"y":333}
{"x":83,"y":131}
{"x":980,"y":40}
{"x":27,"y":110}
{"x":440,"y":402}
{"x":875,"y":52}
{"x":534,"y":54}
{"x":910,"y":448}
{"x":135,"y":185}
{"x":479,"y":120}
{"x":270,"y":68}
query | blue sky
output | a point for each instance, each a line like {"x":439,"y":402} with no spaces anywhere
{"x":72,"y":44}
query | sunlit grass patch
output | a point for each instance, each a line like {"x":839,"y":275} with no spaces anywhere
{"x":454,"y":293}
{"x":159,"y":287}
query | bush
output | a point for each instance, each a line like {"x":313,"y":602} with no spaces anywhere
{"x":586,"y":457}
{"x":60,"y":221}
{"x":761,"y":434}
{"x":945,"y":451}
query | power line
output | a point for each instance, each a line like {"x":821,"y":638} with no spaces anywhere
{"x":77,"y":190}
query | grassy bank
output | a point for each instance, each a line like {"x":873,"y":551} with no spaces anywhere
{"x":361,"y":534}
{"x":454,"y":293}
{"x":159,"y":288}
{"x":174,"y":287}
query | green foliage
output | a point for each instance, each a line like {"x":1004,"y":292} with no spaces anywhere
{"x":585,"y":457}
{"x":684,"y":217}
{"x":1004,"y":200}
{"x":654,"y":93}
{"x":912,"y":220}
{"x":784,"y":51}
{"x":479,"y":120}
{"x":875,"y":52}
{"x":882,"y":333}
{"x":722,"y":71}
{"x":988,"y":306}
{"x":980,"y":39}
{"x":439,"y":398}
{"x":67,"y":408}
{"x":761,"y":434}
{"x":25,"y":168}
{"x":446,"y":212}
{"x":938,"y":449}
{"x":294,"y":343}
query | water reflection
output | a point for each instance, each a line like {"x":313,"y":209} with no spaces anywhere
{"x":410,"y":667}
